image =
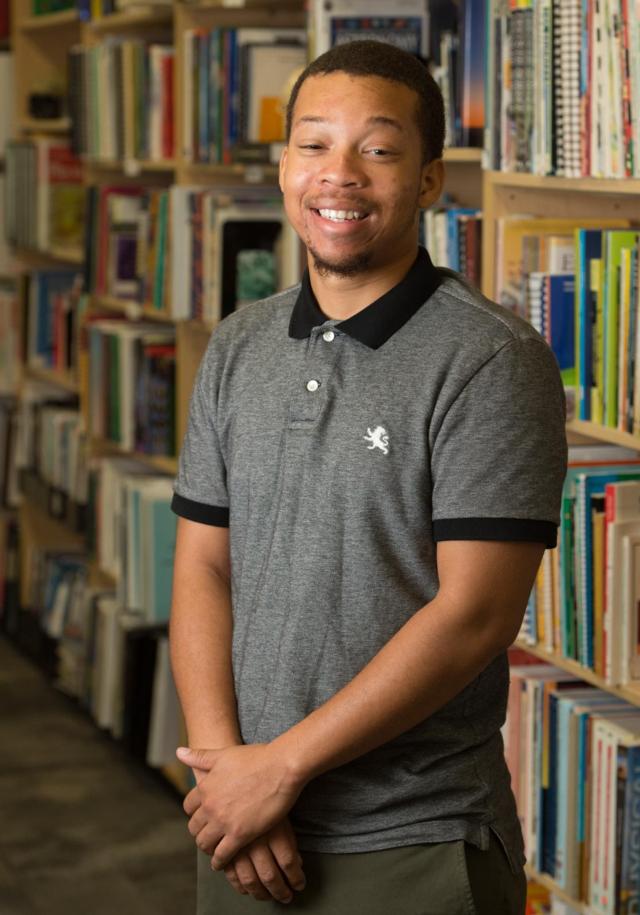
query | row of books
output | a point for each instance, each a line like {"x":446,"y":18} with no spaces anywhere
{"x":577,"y":282}
{"x":584,"y":603}
{"x":132,"y":385}
{"x":133,"y":534}
{"x":453,"y":237}
{"x":121,"y":100}
{"x":53,"y":319}
{"x":44,"y":195}
{"x":189,"y":252}
{"x":236,"y":82}
{"x":51,"y":445}
{"x":574,"y":756}
{"x":564,"y":78}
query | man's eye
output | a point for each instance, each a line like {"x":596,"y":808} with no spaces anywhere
{"x":378,"y":152}
{"x":310,"y":146}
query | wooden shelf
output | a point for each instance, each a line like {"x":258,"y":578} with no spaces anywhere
{"x":142,"y":17}
{"x":551,"y":184}
{"x":604,"y":434}
{"x":49,"y":21}
{"x":629,"y":692}
{"x":132,"y":167}
{"x":257,"y":173}
{"x":105,"y":448}
{"x":549,"y":883}
{"x":52,"y":376}
{"x":463,"y":154}
{"x":132,"y":310}
{"x":45,"y":125}
{"x":64,"y":255}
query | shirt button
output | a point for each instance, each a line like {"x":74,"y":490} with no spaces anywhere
{"x":313,"y":385}
{"x":328,"y":336}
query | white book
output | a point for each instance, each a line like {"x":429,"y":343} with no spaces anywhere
{"x":189,"y":39}
{"x":180,"y":253}
{"x":164,"y":725}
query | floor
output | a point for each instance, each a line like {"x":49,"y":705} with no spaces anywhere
{"x":83,"y":829}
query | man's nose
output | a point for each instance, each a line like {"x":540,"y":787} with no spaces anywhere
{"x":343,"y":169}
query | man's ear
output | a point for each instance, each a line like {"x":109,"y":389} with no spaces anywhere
{"x":282,"y":168}
{"x":431,"y":183}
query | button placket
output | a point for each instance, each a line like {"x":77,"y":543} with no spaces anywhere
{"x":308,"y":404}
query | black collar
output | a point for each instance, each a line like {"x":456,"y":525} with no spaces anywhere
{"x":376,"y":323}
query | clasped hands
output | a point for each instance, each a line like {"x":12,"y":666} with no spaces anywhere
{"x":238,"y":815}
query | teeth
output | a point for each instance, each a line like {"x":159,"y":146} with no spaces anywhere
{"x":340,"y":215}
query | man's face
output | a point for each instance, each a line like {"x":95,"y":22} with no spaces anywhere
{"x":352,"y":174}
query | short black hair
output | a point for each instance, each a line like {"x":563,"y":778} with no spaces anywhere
{"x":377,"y":58}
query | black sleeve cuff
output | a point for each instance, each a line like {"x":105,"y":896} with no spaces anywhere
{"x":496,"y":529}
{"x":216,"y":515}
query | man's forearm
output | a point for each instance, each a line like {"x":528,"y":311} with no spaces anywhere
{"x":201,"y":631}
{"x":428,"y":662}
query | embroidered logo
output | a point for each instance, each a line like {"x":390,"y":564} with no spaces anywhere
{"x":378,"y":438}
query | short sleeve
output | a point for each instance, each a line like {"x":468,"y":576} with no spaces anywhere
{"x":200,"y":488}
{"x":499,"y":458}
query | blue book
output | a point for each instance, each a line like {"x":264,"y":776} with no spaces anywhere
{"x":550,"y":792}
{"x":453,"y":235}
{"x":630,"y":864}
{"x":589,"y":484}
{"x":561,"y":332}
{"x":588,"y":248}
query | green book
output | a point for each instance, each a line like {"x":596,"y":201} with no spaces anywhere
{"x":615,"y":242}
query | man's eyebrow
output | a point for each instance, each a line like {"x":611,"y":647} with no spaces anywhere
{"x":374,"y":120}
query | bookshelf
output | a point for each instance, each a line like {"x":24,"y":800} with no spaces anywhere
{"x":42,"y":44}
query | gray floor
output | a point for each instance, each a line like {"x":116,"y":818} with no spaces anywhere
{"x":83,"y":831}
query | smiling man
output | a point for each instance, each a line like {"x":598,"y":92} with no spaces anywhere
{"x":371,"y":473}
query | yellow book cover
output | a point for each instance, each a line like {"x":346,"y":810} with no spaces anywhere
{"x":596,"y":278}
{"x":540,"y":614}
{"x":623,"y":336}
{"x":509,"y":288}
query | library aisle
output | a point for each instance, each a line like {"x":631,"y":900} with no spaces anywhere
{"x":85,"y":830}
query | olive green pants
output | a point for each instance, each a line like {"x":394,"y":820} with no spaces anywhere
{"x":451,"y":878}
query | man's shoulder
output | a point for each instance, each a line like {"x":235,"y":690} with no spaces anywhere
{"x":476,"y":317}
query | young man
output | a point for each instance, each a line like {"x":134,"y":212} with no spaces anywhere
{"x":371,"y":474}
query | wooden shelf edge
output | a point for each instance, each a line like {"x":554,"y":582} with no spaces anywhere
{"x":53,"y":376}
{"x":104,"y":448}
{"x":145,"y":15}
{"x":132,"y":310}
{"x":51,"y":529}
{"x":48,"y":20}
{"x":463,"y":154}
{"x":45,"y":125}
{"x":614,"y":186}
{"x":631,"y":693}
{"x":604,"y":434}
{"x":549,"y":883}
{"x":64,"y":255}
{"x":132,"y":167}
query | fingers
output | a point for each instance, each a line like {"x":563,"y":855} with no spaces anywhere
{"x":232,"y":876}
{"x":191,"y":802}
{"x":284,"y":848}
{"x":258,"y":874}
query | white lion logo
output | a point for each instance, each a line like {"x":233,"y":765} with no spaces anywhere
{"x":379,"y":438}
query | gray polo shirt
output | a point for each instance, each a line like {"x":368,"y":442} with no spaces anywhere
{"x":339,"y":453}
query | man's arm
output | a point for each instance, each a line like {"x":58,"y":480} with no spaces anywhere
{"x":201,"y":631}
{"x":201,"y":634}
{"x":476,"y":614}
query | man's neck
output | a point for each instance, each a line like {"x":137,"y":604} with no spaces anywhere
{"x":342,"y":297}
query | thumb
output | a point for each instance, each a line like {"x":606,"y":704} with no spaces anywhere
{"x":197,"y":759}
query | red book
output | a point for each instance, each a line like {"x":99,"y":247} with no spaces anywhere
{"x":167,"y":106}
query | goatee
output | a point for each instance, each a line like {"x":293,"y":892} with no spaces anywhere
{"x":351,"y":266}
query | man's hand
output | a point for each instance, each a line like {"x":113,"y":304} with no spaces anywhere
{"x":246,"y":791}
{"x":269,"y":867}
